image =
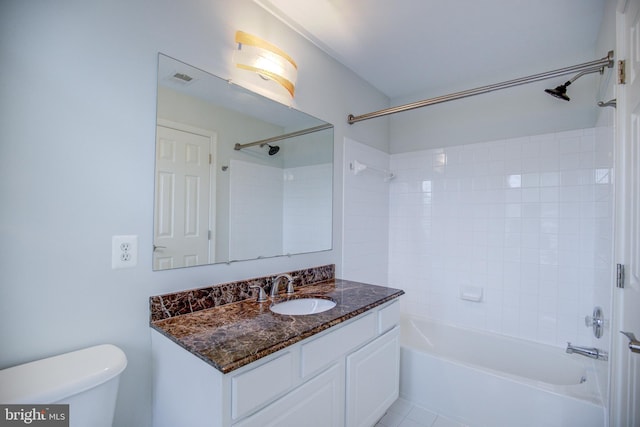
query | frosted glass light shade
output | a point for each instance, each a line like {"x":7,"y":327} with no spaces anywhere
{"x":266,"y":60}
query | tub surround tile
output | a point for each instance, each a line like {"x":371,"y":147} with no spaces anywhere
{"x":232,"y":335}
{"x":190,"y":301}
{"x":516,"y":229}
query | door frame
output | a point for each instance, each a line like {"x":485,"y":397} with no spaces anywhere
{"x":619,"y":370}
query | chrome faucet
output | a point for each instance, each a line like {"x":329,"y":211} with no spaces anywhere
{"x":591,"y":352}
{"x":275,"y":284}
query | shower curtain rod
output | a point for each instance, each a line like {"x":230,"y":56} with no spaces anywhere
{"x":284,"y":136}
{"x":592,"y":66}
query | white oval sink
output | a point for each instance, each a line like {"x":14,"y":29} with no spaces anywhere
{"x":302,"y":306}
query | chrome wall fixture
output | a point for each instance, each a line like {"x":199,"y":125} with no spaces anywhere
{"x":610,"y":103}
{"x":591,"y":352}
{"x":596,"y":321}
{"x":584,"y":68}
{"x":358,"y":167}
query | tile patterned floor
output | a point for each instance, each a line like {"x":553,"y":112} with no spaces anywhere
{"x":404,"y":414}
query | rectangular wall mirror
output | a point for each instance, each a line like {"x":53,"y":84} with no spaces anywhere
{"x":215,"y":203}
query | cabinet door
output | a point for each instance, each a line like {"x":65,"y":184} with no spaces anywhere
{"x":317,"y":403}
{"x":373,"y":378}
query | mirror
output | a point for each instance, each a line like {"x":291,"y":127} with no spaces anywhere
{"x":238,"y":176}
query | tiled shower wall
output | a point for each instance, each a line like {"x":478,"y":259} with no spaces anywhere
{"x":527,"y":221}
{"x":255,"y":210}
{"x":261,"y":196}
{"x":307,"y":208}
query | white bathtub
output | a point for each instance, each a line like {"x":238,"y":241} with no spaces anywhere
{"x":488,"y":380}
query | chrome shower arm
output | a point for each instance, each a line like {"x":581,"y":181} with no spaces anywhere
{"x":582,"y":73}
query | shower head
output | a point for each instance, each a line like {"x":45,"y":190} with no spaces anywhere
{"x":560,"y":92}
{"x":273,"y":149}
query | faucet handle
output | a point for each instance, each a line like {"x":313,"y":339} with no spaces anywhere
{"x":262,"y":296}
{"x":597,"y":322}
{"x":290,"y":288}
{"x":276,"y":281}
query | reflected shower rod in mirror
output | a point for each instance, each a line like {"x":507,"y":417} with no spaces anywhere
{"x":284,"y":136}
{"x":587,"y":67}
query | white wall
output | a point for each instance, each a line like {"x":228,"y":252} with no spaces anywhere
{"x":510,"y":113}
{"x":366,"y":216}
{"x":77,"y":125}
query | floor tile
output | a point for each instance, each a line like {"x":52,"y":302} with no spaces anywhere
{"x":412,"y":423}
{"x":422,"y":415}
{"x":401,"y":407}
{"x":391,"y":419}
{"x":403,"y":413}
{"x":446,"y":422}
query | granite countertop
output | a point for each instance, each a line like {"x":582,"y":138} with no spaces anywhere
{"x":233,"y":335}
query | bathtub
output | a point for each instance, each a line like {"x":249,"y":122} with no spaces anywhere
{"x":488,"y":380}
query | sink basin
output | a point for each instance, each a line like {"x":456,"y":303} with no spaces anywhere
{"x":302,"y":306}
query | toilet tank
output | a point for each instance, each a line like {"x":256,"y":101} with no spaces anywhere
{"x":85,"y":379}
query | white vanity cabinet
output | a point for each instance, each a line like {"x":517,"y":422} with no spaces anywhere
{"x":372,"y":380}
{"x":347,"y":375}
{"x":318,"y":402}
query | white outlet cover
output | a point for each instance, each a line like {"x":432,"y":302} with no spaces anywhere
{"x":117,"y":259}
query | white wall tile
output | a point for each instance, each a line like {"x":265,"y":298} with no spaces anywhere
{"x":307,"y":207}
{"x":522,"y":218}
{"x":255,"y":189}
{"x":527,"y":219}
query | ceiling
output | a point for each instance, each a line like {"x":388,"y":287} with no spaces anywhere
{"x":403,"y":47}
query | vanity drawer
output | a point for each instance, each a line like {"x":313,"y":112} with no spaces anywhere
{"x":251,"y":389}
{"x":389,"y":316}
{"x":327,"y":348}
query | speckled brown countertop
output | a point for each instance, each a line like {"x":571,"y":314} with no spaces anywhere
{"x":233,"y":335}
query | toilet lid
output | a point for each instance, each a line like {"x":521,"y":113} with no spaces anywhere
{"x":55,"y":378}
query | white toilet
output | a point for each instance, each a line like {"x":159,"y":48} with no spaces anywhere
{"x":86,"y":379}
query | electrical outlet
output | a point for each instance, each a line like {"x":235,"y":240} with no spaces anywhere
{"x":124,"y":251}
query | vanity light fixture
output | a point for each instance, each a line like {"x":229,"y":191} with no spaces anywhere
{"x":266,"y":60}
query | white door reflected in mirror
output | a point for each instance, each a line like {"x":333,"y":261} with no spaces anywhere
{"x":181,"y":232}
